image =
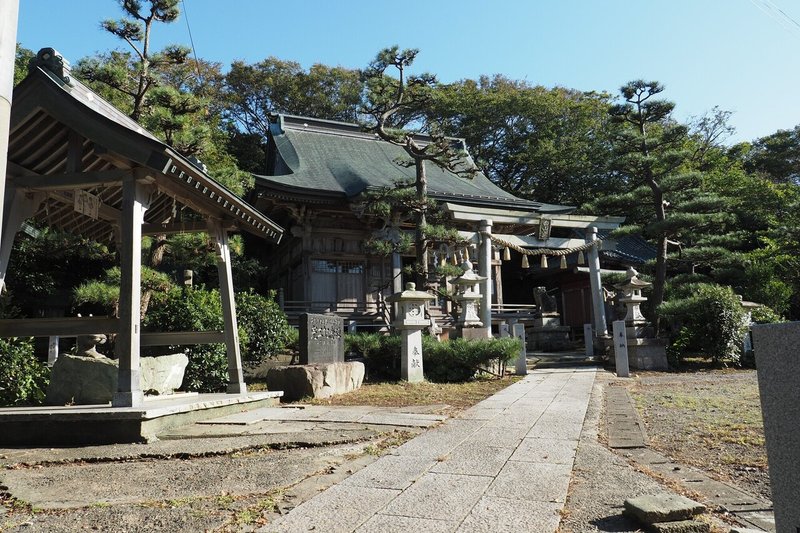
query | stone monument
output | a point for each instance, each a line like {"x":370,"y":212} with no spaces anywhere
{"x":468,"y":296}
{"x":547,"y":333}
{"x":643,"y":351}
{"x":778,"y":369}
{"x":411,"y":321}
{"x":321,"y":339}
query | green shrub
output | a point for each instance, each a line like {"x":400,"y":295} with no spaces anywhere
{"x":23,"y":378}
{"x":193,"y":309}
{"x":708,"y":319}
{"x":765,"y":315}
{"x":447,"y":361}
{"x":459,"y":359}
{"x":265,"y":324}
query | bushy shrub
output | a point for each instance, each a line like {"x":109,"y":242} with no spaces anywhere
{"x":23,"y":378}
{"x":765,"y":315}
{"x":708,"y":319}
{"x":265,"y":324}
{"x":190,"y":309}
{"x":459,"y":359}
{"x":447,"y":361}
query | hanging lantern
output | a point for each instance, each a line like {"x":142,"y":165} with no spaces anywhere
{"x":507,"y":254}
{"x":525,"y":261}
{"x":543,"y":262}
{"x":581,"y":258}
{"x":563,"y":263}
{"x":496,"y":255}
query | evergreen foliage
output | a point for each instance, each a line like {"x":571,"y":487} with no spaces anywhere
{"x":23,"y":378}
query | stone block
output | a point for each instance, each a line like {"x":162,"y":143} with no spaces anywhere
{"x":647,"y":354}
{"x":163,"y":374}
{"x":662,"y":507}
{"x":680,"y":526}
{"x":316,"y":381}
{"x":82,"y":380}
{"x":321,"y":339}
{"x":475,"y":333}
{"x":778,"y":370}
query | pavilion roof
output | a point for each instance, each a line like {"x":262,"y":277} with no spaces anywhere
{"x":65,"y":140}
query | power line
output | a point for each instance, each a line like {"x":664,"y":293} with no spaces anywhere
{"x":777,"y":14}
{"x":191,"y":39}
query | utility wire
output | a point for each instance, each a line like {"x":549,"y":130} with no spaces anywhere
{"x":191,"y":39}
{"x":777,"y":14}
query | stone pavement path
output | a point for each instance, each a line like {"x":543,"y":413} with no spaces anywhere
{"x":503,"y":465}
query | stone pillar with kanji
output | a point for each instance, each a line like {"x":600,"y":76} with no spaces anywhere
{"x":411,"y":321}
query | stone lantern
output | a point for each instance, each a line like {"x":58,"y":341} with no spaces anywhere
{"x":631,"y":295}
{"x":410,"y":320}
{"x":468,"y":297}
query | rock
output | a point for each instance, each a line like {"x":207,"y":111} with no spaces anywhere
{"x":163,"y":374}
{"x":663,"y":507}
{"x":93,"y":380}
{"x":315,"y":381}
{"x":745,"y":530}
{"x":680,"y":526}
{"x":82,"y":380}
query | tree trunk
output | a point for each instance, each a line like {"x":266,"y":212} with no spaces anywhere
{"x":660,"y":278}
{"x":421,"y":241}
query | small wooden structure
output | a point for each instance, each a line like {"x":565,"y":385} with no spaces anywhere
{"x":78,"y":164}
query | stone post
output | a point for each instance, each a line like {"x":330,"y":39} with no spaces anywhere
{"x":52,"y":350}
{"x":485,"y":270}
{"x":503,"y":330}
{"x":621,"y":348}
{"x":9,"y":11}
{"x":522,"y":360}
{"x":778,"y":365}
{"x":411,"y":359}
{"x":588,"y":340}
{"x":598,"y":303}
{"x":411,"y":321}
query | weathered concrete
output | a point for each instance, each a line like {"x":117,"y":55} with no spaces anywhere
{"x":663,"y":507}
{"x":163,"y":374}
{"x":315,"y":381}
{"x":680,"y":526}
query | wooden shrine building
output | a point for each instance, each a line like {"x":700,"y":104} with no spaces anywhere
{"x":318,"y":171}
{"x":78,"y":164}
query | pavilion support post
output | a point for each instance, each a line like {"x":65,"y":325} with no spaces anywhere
{"x":134,"y":203}
{"x":397,"y":279}
{"x":236,"y":383}
{"x":9,"y":12}
{"x":18,"y":207}
{"x":485,"y":269}
{"x":598,"y":302}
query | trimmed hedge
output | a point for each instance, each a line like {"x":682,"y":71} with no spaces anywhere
{"x":447,"y":361}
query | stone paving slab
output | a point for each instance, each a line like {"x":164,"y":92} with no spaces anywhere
{"x":440,"y":497}
{"x":341,"y":509}
{"x":406,"y":524}
{"x":542,"y":482}
{"x":504,"y":466}
{"x":502,"y":515}
{"x":391,"y":472}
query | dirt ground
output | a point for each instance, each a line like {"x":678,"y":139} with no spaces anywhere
{"x":710,"y":420}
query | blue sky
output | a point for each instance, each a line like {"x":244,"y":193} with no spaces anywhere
{"x":740,"y":55}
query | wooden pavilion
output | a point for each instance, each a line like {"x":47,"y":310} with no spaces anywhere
{"x":78,"y":164}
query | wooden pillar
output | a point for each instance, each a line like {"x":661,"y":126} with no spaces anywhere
{"x":485,"y":269}
{"x":598,"y":302}
{"x":134,"y":203}
{"x":18,"y":207}
{"x":236,"y":383}
{"x":9,"y":12}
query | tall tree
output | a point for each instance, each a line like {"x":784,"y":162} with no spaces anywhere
{"x":254,"y":92}
{"x":649,"y":152}
{"x":403,"y":101}
{"x":549,"y":145}
{"x":777,"y":156}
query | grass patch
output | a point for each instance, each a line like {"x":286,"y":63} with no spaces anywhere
{"x":711,"y":420}
{"x":402,"y":394}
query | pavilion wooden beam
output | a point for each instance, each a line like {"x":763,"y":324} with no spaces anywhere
{"x":135,"y":200}
{"x":64,"y":326}
{"x":72,"y":180}
{"x":236,"y":383}
{"x":180,"y":227}
{"x":105,"y":212}
{"x":176,"y":338}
